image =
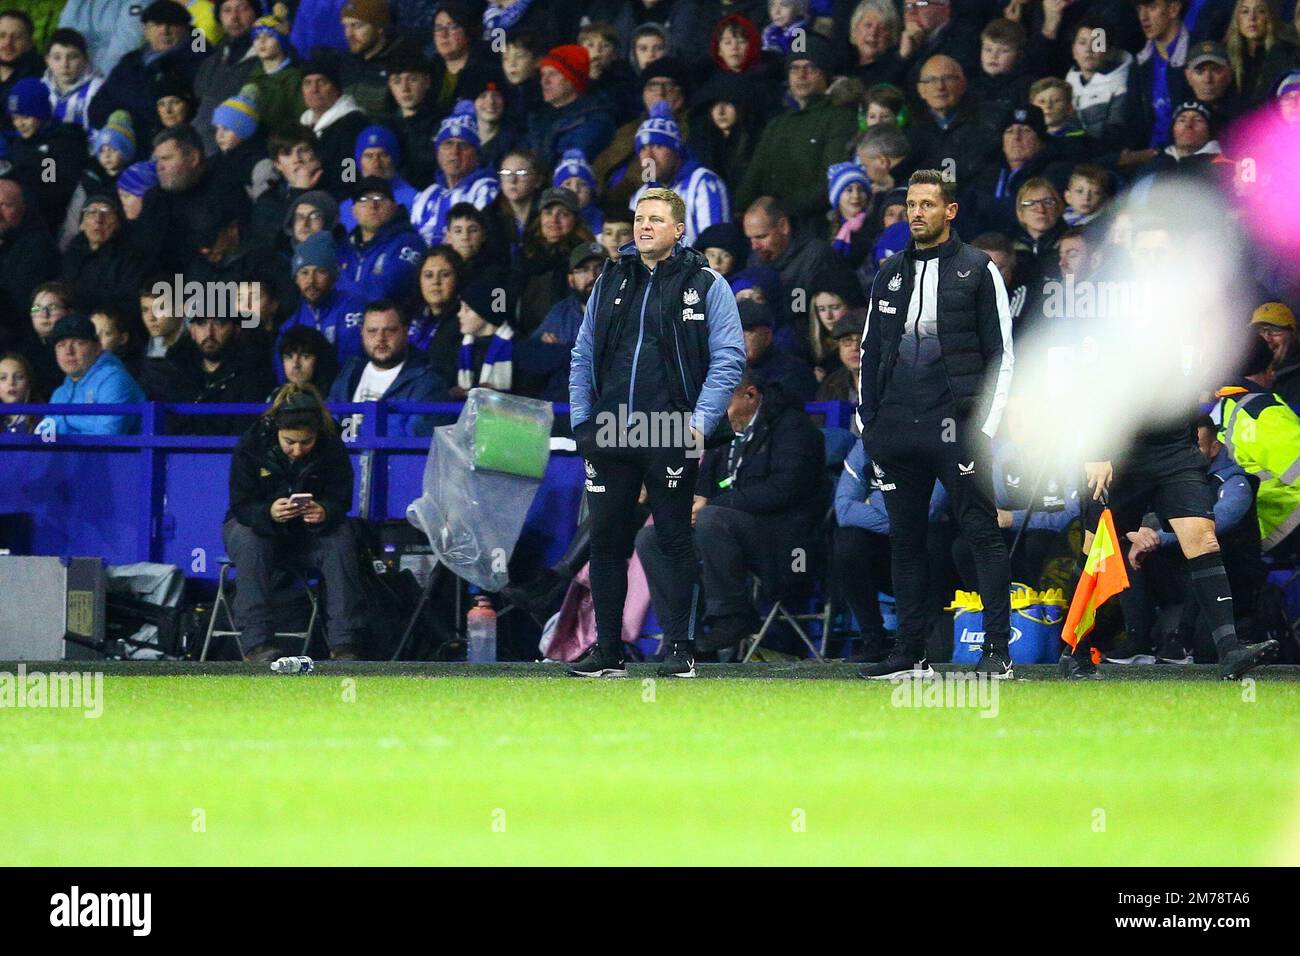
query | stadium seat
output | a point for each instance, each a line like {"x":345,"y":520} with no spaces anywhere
{"x":221,"y":605}
{"x":783,"y":607}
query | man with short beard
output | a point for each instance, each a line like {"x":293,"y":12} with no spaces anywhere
{"x":390,"y":370}
{"x":938,"y":326}
{"x":211,"y":364}
{"x":333,"y":311}
{"x":372,"y":46}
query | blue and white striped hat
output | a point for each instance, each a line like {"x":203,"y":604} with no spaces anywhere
{"x":461,"y":124}
{"x":660,"y":128}
{"x":573,"y":163}
{"x":840,"y":176}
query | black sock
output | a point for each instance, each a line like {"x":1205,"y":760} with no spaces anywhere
{"x":1210,"y":584}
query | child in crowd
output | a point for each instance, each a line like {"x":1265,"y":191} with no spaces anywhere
{"x":575,"y":173}
{"x":885,"y":106}
{"x":1000,"y":83}
{"x":615,"y":229}
{"x":1087,"y":193}
{"x":726,"y":248}
{"x":789,"y":18}
{"x":243,"y":151}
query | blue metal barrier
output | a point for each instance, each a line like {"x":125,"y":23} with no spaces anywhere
{"x":158,"y":497}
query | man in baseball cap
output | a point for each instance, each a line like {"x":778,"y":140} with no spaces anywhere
{"x":1275,"y":323}
{"x":543,"y":358}
{"x":1210,"y":78}
{"x":559,"y":196}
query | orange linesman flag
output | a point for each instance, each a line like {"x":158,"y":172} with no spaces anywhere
{"x":1104,"y":576}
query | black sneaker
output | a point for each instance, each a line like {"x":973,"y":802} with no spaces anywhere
{"x":1245,"y":656}
{"x":995,"y":662}
{"x":901,"y":662}
{"x":1072,"y":668}
{"x":599,"y":662}
{"x":1172,"y":650}
{"x":679,"y":662}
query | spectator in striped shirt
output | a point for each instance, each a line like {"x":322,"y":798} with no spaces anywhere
{"x":664,"y":162}
{"x":460,"y":177}
{"x":71,"y":78}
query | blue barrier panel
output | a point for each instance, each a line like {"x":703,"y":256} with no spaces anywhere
{"x":160,"y":497}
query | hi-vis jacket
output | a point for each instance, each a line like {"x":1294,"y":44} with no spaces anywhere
{"x":1262,"y":435}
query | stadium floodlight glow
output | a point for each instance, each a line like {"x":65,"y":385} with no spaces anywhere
{"x":1151,"y":323}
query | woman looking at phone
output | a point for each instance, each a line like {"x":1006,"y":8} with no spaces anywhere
{"x":290,"y":492}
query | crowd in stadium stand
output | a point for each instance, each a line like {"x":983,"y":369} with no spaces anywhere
{"x":411,"y":199}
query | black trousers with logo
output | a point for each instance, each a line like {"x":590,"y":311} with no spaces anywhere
{"x":911,"y":456}
{"x":614,"y":480}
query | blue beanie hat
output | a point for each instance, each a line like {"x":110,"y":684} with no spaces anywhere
{"x":840,"y":176}
{"x":767,"y":281}
{"x":378,"y":137}
{"x":892,"y":240}
{"x":29,"y":97}
{"x":239,"y":113}
{"x":574,"y":163}
{"x":316,"y":250}
{"x":660,"y":128}
{"x":118,"y":133}
{"x":461,"y":124}
{"x":138,"y":179}
{"x":272,"y":25}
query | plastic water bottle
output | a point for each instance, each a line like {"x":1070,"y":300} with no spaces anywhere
{"x":482,"y":631}
{"x":291,"y":665}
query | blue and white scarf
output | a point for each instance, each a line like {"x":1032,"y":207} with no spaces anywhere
{"x":779,"y":38}
{"x":498,"y":363}
{"x":74,"y":105}
{"x":503,"y":17}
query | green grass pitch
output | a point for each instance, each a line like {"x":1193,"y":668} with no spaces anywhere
{"x":529,"y":768}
